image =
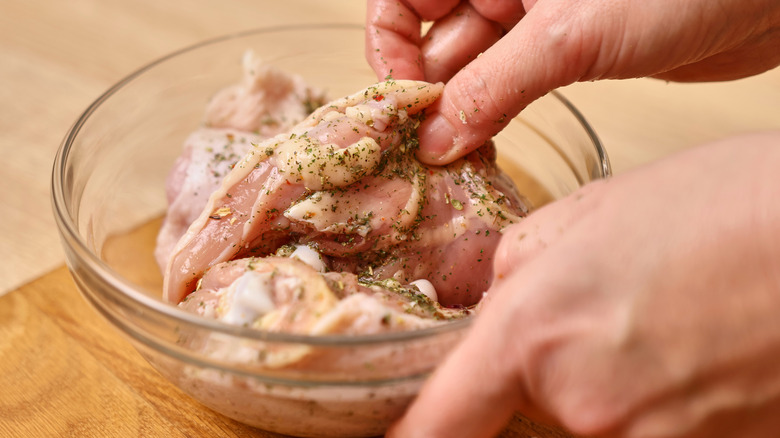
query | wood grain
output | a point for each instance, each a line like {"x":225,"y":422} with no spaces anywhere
{"x":66,"y":372}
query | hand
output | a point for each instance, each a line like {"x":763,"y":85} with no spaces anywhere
{"x":556,"y":43}
{"x":644,"y":305}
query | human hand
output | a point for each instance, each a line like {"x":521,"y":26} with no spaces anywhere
{"x":644,"y":305}
{"x":556,"y":43}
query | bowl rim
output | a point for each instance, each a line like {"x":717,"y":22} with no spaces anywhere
{"x":124,"y":290}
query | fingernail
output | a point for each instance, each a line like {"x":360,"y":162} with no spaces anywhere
{"x":437,"y":137}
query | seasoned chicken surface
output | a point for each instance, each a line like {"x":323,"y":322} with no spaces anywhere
{"x":334,"y":221}
{"x":267,"y":102}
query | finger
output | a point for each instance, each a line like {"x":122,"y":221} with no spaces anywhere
{"x":542,"y":52}
{"x":471,"y":395}
{"x":525,"y":240}
{"x":732,"y":52}
{"x":455,"y":40}
{"x":432,"y":10}
{"x":729,"y":65}
{"x":505,"y":12}
{"x":393,"y":40}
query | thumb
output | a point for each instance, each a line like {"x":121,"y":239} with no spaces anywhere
{"x":535,"y":57}
{"x":473,"y":394}
{"x":524,"y":241}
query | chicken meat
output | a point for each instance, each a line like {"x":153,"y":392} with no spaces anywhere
{"x":344,"y":183}
{"x":266,"y":102}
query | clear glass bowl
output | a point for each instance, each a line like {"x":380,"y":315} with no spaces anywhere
{"x":108,"y":196}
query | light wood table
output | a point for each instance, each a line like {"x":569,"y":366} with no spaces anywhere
{"x":63,"y":371}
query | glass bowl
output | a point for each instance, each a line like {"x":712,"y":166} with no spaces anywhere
{"x":109,"y":197}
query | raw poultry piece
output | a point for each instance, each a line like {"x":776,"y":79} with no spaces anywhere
{"x":345,"y":182}
{"x":448,"y":240}
{"x":208,"y":156}
{"x":265,"y":103}
{"x":285,"y":294}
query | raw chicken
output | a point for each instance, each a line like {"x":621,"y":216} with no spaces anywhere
{"x":284,"y":294}
{"x":208,"y":156}
{"x":449,"y":242}
{"x":345,"y":182}
{"x":267,"y":102}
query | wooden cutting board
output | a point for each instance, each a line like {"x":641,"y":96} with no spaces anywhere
{"x":66,"y":372}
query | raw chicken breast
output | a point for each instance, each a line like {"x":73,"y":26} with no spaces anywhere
{"x":345,"y":181}
{"x":267,"y":102}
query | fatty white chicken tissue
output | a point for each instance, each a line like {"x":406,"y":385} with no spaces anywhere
{"x":325,"y":222}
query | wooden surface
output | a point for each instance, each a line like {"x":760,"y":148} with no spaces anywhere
{"x":63,"y":371}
